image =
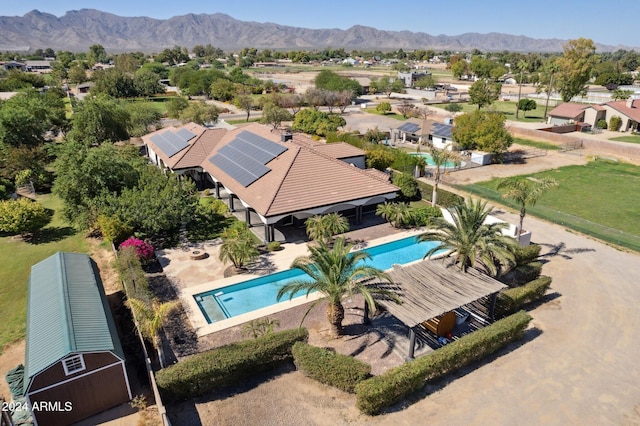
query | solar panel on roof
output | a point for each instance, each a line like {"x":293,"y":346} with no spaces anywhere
{"x":409,"y":128}
{"x":185,"y":134}
{"x":250,"y":150}
{"x":169,"y":143}
{"x":263,"y":144}
{"x":443,"y":130}
{"x":243,"y":174}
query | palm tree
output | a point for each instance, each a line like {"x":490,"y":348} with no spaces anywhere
{"x":396,"y":213}
{"x":150,"y":319}
{"x":522,"y":66}
{"x":238,"y":247}
{"x":387,"y":211}
{"x":323,"y":227}
{"x":471,"y":240}
{"x":525,"y":192}
{"x":334,"y":272}
{"x":440,"y":158}
{"x":552,"y":68}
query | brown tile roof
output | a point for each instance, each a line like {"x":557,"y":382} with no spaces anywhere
{"x":621,"y":106}
{"x":200,"y":149}
{"x":172,"y":161}
{"x":300,"y":178}
{"x":568,"y":110}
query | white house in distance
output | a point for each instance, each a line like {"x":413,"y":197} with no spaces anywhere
{"x":628,"y":111}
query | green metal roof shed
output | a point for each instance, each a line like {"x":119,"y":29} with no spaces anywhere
{"x":71,"y":333}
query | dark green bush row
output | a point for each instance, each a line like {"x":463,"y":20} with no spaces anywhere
{"x":227,"y":365}
{"x":445,"y":198}
{"x":377,"y":392}
{"x":512,"y":299}
{"x":527,"y":254}
{"x":328,"y":367}
{"x":522,"y":274}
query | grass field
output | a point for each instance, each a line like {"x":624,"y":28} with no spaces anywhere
{"x":509,"y":110}
{"x":536,"y":144}
{"x":597,"y":199}
{"x":629,"y":138}
{"x":18,"y":257}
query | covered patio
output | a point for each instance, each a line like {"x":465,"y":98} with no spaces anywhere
{"x":431,"y":289}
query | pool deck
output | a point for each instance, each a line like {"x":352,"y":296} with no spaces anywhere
{"x":192,"y":276}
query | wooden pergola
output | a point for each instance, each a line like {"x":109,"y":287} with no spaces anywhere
{"x":431,"y":288}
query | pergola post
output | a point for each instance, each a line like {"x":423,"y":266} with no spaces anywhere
{"x":217,"y":184}
{"x":365,"y":316}
{"x":492,"y":306}
{"x":247,"y":216}
{"x":267,"y":233}
{"x":412,"y":344}
{"x":231,"y":209}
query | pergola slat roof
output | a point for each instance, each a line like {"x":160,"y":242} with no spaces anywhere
{"x":430,"y":288}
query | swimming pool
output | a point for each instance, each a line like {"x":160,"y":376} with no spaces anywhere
{"x":429,"y":160}
{"x":227,"y":302}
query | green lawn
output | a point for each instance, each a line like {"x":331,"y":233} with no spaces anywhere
{"x":389,"y":114}
{"x":629,"y":138}
{"x":18,"y":257}
{"x":597,"y":198}
{"x":508,"y":108}
{"x":536,"y":144}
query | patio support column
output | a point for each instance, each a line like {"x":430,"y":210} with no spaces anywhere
{"x":217,"y":190}
{"x":267,"y":234}
{"x":365,"y":316}
{"x":492,"y":306}
{"x":247,"y":216}
{"x":412,"y":344}
{"x":231,"y":209}
{"x":272,"y":233}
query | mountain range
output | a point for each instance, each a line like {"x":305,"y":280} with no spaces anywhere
{"x":79,"y":29}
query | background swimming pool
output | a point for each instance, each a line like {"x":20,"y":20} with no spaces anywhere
{"x":429,"y":160}
{"x":261,"y":292}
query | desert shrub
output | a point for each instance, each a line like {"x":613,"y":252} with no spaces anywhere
{"x":143,"y":249}
{"x":328,"y":367}
{"x":614,"y":123}
{"x":228,"y":365}
{"x":601,"y":124}
{"x":274,"y":246}
{"x":512,"y":299}
{"x":214,"y":205}
{"x":380,"y":391}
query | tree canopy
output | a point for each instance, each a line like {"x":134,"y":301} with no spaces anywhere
{"x":575,"y":67}
{"x":483,"y":130}
{"x":483,"y":92}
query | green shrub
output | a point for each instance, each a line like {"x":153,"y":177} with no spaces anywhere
{"x":601,"y":124}
{"x":512,"y":299}
{"x":274,"y":246}
{"x":377,"y":392}
{"x":421,"y":216}
{"x":23,"y":216}
{"x":113,"y":229}
{"x":524,"y":255}
{"x":342,"y":371}
{"x":445,"y":198}
{"x":408,"y":186}
{"x":227,"y":365}
{"x":614,"y":123}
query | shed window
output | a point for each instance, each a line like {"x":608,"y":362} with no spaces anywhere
{"x":73,"y":364}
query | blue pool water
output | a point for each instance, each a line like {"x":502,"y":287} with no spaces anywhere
{"x":429,"y":160}
{"x":261,"y":292}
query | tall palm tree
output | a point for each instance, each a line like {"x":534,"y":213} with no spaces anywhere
{"x":471,"y":240}
{"x":151,"y":318}
{"x":525,"y":192}
{"x":552,"y":68}
{"x":387,"y":211}
{"x":440,"y":158}
{"x":522,"y":66}
{"x":335,"y":273}
{"x":323,"y":227}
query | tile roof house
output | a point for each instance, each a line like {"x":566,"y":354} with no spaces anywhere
{"x":628,"y":110}
{"x":73,"y":354}
{"x":279,"y":177}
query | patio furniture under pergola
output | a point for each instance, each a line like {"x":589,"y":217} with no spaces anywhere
{"x":431,"y":288}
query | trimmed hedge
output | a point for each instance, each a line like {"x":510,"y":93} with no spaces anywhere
{"x":328,"y":367}
{"x":512,"y":299}
{"x":445,"y":198}
{"x":377,"y":392}
{"x":227,"y":365}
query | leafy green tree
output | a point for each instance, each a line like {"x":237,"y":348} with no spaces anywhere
{"x":114,"y":83}
{"x":440,"y":158}
{"x":614,"y":123}
{"x":238,"y":246}
{"x":99,"y":119}
{"x":176,"y":105}
{"x":317,"y":122}
{"x":274,"y":115}
{"x":384,"y":107}
{"x":460,"y":68}
{"x":200,"y":112}
{"x":143,"y":116}
{"x":223,"y":90}
{"x":426,"y":81}
{"x":23,"y":216}
{"x":481,"y":66}
{"x":97,"y":54}
{"x":386,"y":85}
{"x":245,"y":103}
{"x":380,"y":158}
{"x":575,"y":67}
{"x":77,"y":74}
{"x":147,"y":83}
{"x":407,"y":184}
{"x":484,"y":130}
{"x":335,"y":273}
{"x":324,"y":227}
{"x":332,"y":81}
{"x":525,"y":105}
{"x":525,"y":192}
{"x":483,"y":92}
{"x":619,"y":94}
{"x":453,"y":107}
{"x":470,"y":240}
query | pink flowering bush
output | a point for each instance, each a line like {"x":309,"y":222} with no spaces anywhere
{"x":143,"y":249}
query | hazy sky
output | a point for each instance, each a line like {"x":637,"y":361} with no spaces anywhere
{"x":614,"y":22}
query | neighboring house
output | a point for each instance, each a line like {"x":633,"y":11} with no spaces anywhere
{"x":42,"y":67}
{"x":441,"y":137}
{"x":14,"y":65}
{"x":409,"y":132}
{"x":282,"y":178}
{"x":576,"y":113}
{"x":409,"y":78}
{"x":628,"y":111}
{"x":73,"y":353}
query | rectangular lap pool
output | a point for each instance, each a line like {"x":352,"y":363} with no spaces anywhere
{"x":247,"y":296}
